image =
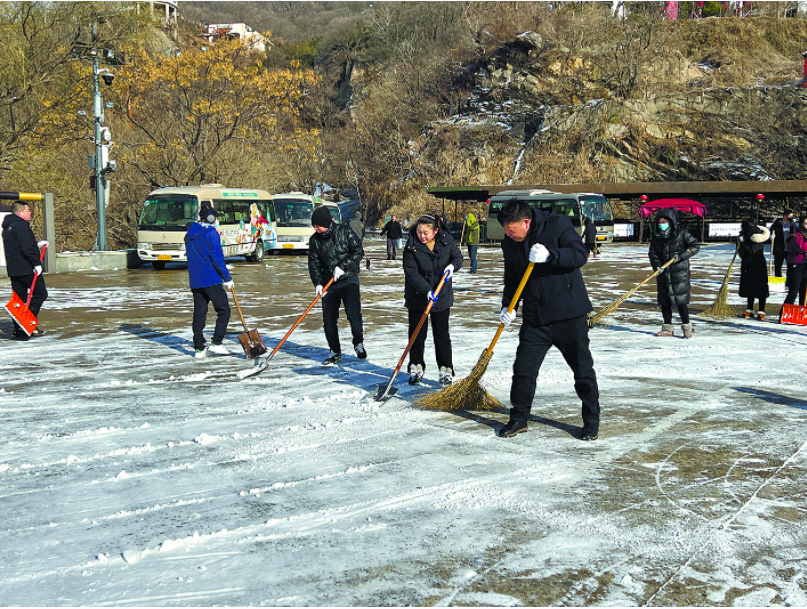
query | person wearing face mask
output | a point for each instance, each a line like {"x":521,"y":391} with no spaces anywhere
{"x":209,"y":279}
{"x":673,"y":283}
{"x":430,"y":252}
{"x":797,"y":265}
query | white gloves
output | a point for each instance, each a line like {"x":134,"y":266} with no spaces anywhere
{"x":432,"y":296}
{"x":319,"y":290}
{"x":38,"y":270}
{"x":450,"y":270}
{"x":506,"y":318}
{"x":228,"y":285}
{"x":41,"y":244}
{"x":337,"y":273}
{"x":539,"y":253}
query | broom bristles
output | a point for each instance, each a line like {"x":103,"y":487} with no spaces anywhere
{"x":465,"y":394}
{"x":721,"y":308}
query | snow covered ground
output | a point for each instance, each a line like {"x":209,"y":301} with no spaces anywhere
{"x":133,"y":474}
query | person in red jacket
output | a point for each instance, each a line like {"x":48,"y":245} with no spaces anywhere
{"x":22,"y":261}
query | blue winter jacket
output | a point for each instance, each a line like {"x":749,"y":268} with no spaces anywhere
{"x":205,"y":257}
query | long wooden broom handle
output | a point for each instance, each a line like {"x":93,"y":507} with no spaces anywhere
{"x":513,"y":303}
{"x":33,"y":283}
{"x":238,"y":306}
{"x":420,"y":325}
{"x":300,"y":319}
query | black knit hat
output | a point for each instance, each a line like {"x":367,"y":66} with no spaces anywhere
{"x":322,"y":217}
{"x":208,"y":214}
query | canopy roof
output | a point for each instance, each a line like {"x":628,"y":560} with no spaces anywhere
{"x":689,"y":205}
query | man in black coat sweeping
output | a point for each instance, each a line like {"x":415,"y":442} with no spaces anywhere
{"x":22,"y":261}
{"x":334,"y":250}
{"x":555,"y":308}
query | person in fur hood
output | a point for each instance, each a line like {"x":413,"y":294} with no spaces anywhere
{"x":754,"y":269}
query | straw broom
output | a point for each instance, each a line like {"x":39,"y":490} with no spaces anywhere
{"x":721,"y":309}
{"x":597,"y":317}
{"x":467,"y":393}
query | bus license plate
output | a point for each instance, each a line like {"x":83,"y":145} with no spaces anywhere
{"x":600,"y":238}
{"x":164,"y":257}
{"x":288,"y":246}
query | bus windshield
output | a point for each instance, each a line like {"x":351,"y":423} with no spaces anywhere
{"x":292,"y":212}
{"x":597,"y":208}
{"x":169,"y":212}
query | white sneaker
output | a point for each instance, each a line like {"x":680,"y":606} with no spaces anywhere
{"x":415,"y":374}
{"x":200,"y":353}
{"x":218,"y":349}
{"x":446,"y":376}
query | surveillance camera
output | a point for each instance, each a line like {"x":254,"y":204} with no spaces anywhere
{"x":110,"y":167}
{"x":108,"y":78}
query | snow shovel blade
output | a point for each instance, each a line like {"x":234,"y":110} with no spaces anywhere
{"x":252,"y":344}
{"x":256,"y":370}
{"x":384,"y":392}
{"x":21,"y":314}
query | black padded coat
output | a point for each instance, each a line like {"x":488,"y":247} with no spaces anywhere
{"x":673,"y":283}
{"x":423,"y":270}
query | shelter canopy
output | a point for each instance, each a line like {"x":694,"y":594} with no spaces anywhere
{"x":689,"y":205}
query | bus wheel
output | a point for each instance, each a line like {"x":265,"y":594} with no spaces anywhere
{"x":257,"y":255}
{"x":158,"y":265}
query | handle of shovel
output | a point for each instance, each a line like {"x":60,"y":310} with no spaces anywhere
{"x":513,"y":303}
{"x":419,"y":326}
{"x":300,"y":319}
{"x":238,"y":306}
{"x":33,"y":283}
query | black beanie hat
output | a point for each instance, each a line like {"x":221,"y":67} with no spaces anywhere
{"x":208,"y":214}
{"x":322,"y":217}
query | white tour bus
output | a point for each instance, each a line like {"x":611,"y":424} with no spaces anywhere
{"x":292,"y":213}
{"x":245,"y":222}
{"x":573,"y":205}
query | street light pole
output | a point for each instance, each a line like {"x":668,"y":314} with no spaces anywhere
{"x":100,"y":180}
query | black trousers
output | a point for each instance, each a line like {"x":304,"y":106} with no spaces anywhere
{"x":350,"y":296}
{"x":22,"y":283}
{"x":201,"y":297}
{"x":778,"y":259}
{"x":442,"y":340}
{"x":666,"y":313}
{"x":571,"y":339}
{"x":392,"y":244}
{"x":797,"y":283}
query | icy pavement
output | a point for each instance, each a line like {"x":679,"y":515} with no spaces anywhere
{"x":133,"y":474}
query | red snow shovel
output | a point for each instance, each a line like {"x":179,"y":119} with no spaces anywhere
{"x":385,"y":392}
{"x":265,"y":363}
{"x":250,"y":339}
{"x":19,"y":310}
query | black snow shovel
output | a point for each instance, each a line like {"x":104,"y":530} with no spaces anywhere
{"x":385,"y":392}
{"x":250,"y":339}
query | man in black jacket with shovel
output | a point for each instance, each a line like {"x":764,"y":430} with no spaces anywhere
{"x":555,"y":306}
{"x":334,"y":250}
{"x":22,"y":261}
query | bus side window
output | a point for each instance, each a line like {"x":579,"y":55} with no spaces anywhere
{"x":226,"y":212}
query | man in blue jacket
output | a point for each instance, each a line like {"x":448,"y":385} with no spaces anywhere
{"x":208,"y":278}
{"x":555,"y":308}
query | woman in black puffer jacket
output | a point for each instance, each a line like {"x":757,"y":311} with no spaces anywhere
{"x":430,"y":252}
{"x":670,"y":241}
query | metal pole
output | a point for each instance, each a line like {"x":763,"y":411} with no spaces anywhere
{"x":100,"y":181}
{"x":49,"y":232}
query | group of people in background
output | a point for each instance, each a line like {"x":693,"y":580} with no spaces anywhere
{"x":789,"y":244}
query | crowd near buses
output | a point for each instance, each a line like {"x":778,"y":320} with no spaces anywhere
{"x":546,"y":238}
